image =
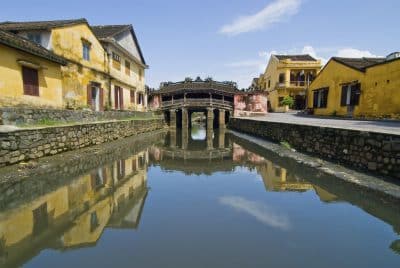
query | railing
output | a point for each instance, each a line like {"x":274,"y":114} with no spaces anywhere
{"x":294,"y":84}
{"x":197,"y":102}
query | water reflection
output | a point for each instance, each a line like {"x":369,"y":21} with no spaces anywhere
{"x":75,"y":215}
{"x":69,"y":206}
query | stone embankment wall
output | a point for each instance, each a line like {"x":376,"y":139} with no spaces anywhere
{"x":27,"y":144}
{"x":29,"y":116}
{"x":375,"y":152}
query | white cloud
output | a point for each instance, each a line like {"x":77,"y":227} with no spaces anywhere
{"x":354,"y":53}
{"x":272,"y":13}
{"x":260,"y":212}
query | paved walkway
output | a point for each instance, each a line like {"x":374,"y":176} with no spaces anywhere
{"x":383,"y":126}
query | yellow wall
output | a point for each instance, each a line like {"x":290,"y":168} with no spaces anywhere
{"x":333,"y":75}
{"x":271,"y":78}
{"x":378,"y":97}
{"x":67,"y":42}
{"x":11,"y":84}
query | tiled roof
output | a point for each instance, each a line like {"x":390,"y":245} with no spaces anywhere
{"x":104,"y":31}
{"x":359,"y":63}
{"x":304,"y":57}
{"x":15,"y":41}
{"x":109,"y":31}
{"x":38,"y":25}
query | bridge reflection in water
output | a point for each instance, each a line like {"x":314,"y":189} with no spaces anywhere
{"x":69,"y":213}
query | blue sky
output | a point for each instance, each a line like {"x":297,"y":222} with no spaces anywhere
{"x":232,"y":39}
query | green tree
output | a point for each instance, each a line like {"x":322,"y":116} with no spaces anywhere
{"x":287,"y":100}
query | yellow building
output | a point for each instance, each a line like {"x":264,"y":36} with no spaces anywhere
{"x":359,"y":87}
{"x":126,"y":66}
{"x":289,"y":75}
{"x":84,"y":78}
{"x":99,"y":75}
{"x":29,"y":74}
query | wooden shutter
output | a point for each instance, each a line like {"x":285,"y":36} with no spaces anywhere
{"x":121,"y":98}
{"x":355,"y":94}
{"x":344,"y":96}
{"x":315,"y":100}
{"x":89,"y":95}
{"x":30,"y":78}
{"x":324,"y":100}
{"x":116,"y":97}
{"x":101,"y":99}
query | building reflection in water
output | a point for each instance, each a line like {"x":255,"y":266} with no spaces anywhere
{"x":76,"y":214}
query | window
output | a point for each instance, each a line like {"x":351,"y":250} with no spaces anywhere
{"x":116,"y":62}
{"x":281,"y":78}
{"x":86,"y":50}
{"x":140,"y":98}
{"x":321,"y":98}
{"x":127,"y":68}
{"x":269,"y":83}
{"x":350,"y":94}
{"x":30,"y":78}
{"x":35,"y":37}
{"x":116,"y":57}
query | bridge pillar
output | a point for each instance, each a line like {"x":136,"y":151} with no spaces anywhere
{"x":172,"y":138}
{"x":172,"y":118}
{"x":185,"y":118}
{"x":221,"y":119}
{"x":221,"y":138}
{"x":185,"y":138}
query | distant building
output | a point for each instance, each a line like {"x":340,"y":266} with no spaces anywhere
{"x":30,"y":75}
{"x":360,"y":87}
{"x":289,"y":75}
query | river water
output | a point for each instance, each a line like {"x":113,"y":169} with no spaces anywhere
{"x":191,"y":200}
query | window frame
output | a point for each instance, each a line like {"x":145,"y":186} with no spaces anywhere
{"x":86,"y":47}
{"x":320,"y":97}
{"x":30,"y":75}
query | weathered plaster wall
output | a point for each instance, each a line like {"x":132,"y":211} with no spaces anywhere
{"x":375,"y":152}
{"x":27,"y":144}
{"x":79,"y":73}
{"x":11,"y":83}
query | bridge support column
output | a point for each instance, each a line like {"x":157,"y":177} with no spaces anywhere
{"x":185,"y":118}
{"x":172,"y":138}
{"x":221,"y":119}
{"x":221,"y":138}
{"x":172,"y":118}
{"x":209,"y":133}
{"x":185,"y":128}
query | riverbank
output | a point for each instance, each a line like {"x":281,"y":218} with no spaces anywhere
{"x":364,"y":182}
{"x":371,"y":151}
{"x":24,"y":144}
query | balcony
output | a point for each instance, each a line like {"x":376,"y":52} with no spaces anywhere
{"x":197,"y":102}
{"x":297,"y":84}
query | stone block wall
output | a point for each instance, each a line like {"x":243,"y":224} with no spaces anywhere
{"x":30,"y":116}
{"x":27,"y":144}
{"x":369,"y":151}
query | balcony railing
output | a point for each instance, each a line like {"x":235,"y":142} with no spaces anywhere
{"x":197,"y":102}
{"x":301,"y":84}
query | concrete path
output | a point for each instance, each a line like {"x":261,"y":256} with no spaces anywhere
{"x":383,"y":126}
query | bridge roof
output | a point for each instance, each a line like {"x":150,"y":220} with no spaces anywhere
{"x":228,"y":88}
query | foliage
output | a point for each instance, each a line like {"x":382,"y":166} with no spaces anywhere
{"x":286,"y":145}
{"x":287,"y":101}
{"x":188,"y":79}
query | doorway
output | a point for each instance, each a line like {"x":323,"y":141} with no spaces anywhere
{"x":95,"y":97}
